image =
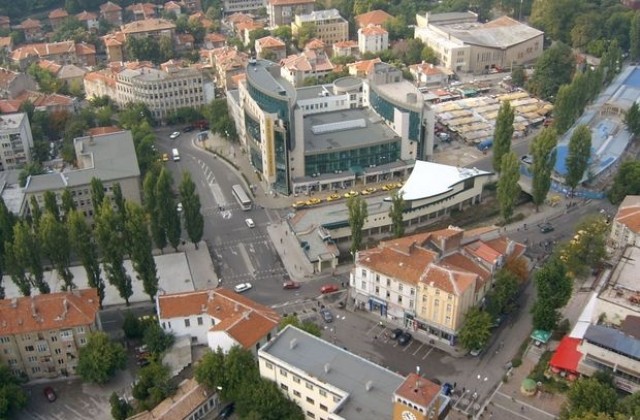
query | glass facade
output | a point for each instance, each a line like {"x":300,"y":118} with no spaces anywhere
{"x":386,"y":110}
{"x":270,"y":104}
{"x":281,"y":152}
{"x":253,"y":128}
{"x":354,"y":159}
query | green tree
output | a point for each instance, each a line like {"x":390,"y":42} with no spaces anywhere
{"x":626,"y":182}
{"x":141,"y":249}
{"x":518,"y":77}
{"x":588,"y":395}
{"x":27,"y":250}
{"x":54,"y":238}
{"x":193,"y":219}
{"x":555,"y":17}
{"x":306,"y":32}
{"x":307,"y":326}
{"x":32,"y":168}
{"x":153,"y":385}
{"x":587,"y":249}
{"x":100,"y":358}
{"x":503,"y":294}
{"x":97,"y":194}
{"x":566,"y":108}
{"x":264,"y":400}
{"x":157,"y":340}
{"x":543,"y":152}
{"x":476,"y":330}
{"x":67,"y":203}
{"x":358,"y":213}
{"x":544,"y":317}
{"x":210,"y":371}
{"x":553,"y":69}
{"x":629,"y":406}
{"x":553,"y":283}
{"x":283,"y":32}
{"x":634,"y":38}
{"x":36,"y":211}
{"x":84,"y":246}
{"x":51,"y":204}
{"x":120,"y":408}
{"x":508,"y":188}
{"x":166,"y":208}
{"x":165,"y":48}
{"x":632,"y":118}
{"x":502,"y":135}
{"x":132,"y":326}
{"x":396,"y":213}
{"x":12,"y":396}
{"x":110,"y":242}
{"x":578,"y":156}
{"x":150,"y":203}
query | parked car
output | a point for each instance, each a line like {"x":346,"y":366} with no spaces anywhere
{"x":188,"y":129}
{"x":390,"y":186}
{"x":329,"y":288}
{"x":313,"y":201}
{"x":368,"y":191}
{"x":250,"y":223}
{"x":50,"y":394}
{"x":350,"y":194}
{"x":290,"y":284}
{"x":476,"y":352}
{"x":396,"y":333}
{"x":226,"y":412}
{"x":546,"y":227}
{"x":165,"y":157}
{"x":447,"y":389}
{"x":174,"y":135}
{"x":333,"y":197}
{"x":242,"y":287}
{"x":299,"y":204}
{"x":326,"y":314}
{"x":404,"y":338}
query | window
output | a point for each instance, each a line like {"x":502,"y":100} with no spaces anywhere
{"x":42,"y":347}
{"x":377,"y":278}
{"x":269,"y":365}
{"x":400,"y":287}
{"x":284,"y":387}
{"x":83,"y":341}
{"x":322,"y":392}
{"x":199,"y":320}
{"x":187,"y":323}
{"x":377,"y":290}
{"x":35,"y":369}
{"x":364,"y":273}
{"x":80,"y":330}
{"x":29,"y":348}
{"x":388,"y":282}
{"x":311,"y":415}
{"x":310,"y":400}
{"x":296,"y":379}
{"x":296,"y":393}
{"x":4,"y":340}
{"x":32,"y":359}
{"x":309,"y":385}
{"x":399,"y":299}
{"x":323,"y":407}
{"x":363,"y":284}
{"x":54,"y":338}
{"x":57,"y":351}
{"x":283,"y":372}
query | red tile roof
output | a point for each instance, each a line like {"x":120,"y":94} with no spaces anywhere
{"x":374,"y":17}
{"x":418,"y":390}
{"x":372,"y":30}
{"x":629,"y":213}
{"x":84,"y":16}
{"x":346,"y":44}
{"x":364,"y":66}
{"x":30,"y":24}
{"x":46,"y":312}
{"x":289,"y":2}
{"x":314,"y":44}
{"x":9,"y":106}
{"x":148,"y":25}
{"x":270,"y":42}
{"x":189,"y":396}
{"x":427,"y":69}
{"x":215,"y":37}
{"x":58,"y":14}
{"x":98,"y":131}
{"x":238,"y":17}
{"x":171,"y":5}
{"x":110,"y":7}
{"x":50,"y":66}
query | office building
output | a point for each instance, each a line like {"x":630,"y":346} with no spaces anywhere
{"x":283,"y":12}
{"x":16,"y":141}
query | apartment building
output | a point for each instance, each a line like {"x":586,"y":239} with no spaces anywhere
{"x":89,"y":19}
{"x":329,"y":382}
{"x":109,"y":157}
{"x":143,"y":11}
{"x":427,"y":74}
{"x":429,"y":280}
{"x":227,"y":63}
{"x":114,"y":46}
{"x":154,"y":28}
{"x":111,"y":13}
{"x":373,"y":39}
{"x":283,"y":12}
{"x":330,"y":27}
{"x":41,"y":335}
{"x":345,"y":48}
{"x":217,"y":318}
{"x":5,"y":22}
{"x":312,"y":62}
{"x":16,"y":141}
{"x":13,"y":83}
{"x":466,"y":45}
{"x":270,"y":48}
{"x":625,"y":229}
{"x":32,"y":29}
{"x":57,"y":18}
{"x":63,"y":52}
{"x":235,"y":6}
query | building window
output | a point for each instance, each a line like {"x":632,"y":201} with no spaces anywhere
{"x":296,"y":393}
{"x":35,"y":369}
{"x":4,"y":340}
{"x":296,"y":379}
{"x":311,"y":415}
{"x":199,"y":320}
{"x":309,"y":385}
{"x":57,"y":351}
{"x":310,"y":400}
{"x":388,"y":282}
{"x":83,"y":341}
{"x":29,"y":348}
{"x":284,"y":387}
{"x":363,"y":284}
{"x":322,"y":392}
{"x":269,"y":365}
{"x":412,"y":292}
{"x":187,"y":323}
{"x":42,"y":347}
{"x":377,"y":290}
{"x":80,"y":330}
{"x":32,"y":359}
{"x":283,"y":372}
{"x":399,"y":299}
{"x":377,"y":278}
{"x":400,"y":287}
{"x":323,"y":407}
{"x":364,"y":273}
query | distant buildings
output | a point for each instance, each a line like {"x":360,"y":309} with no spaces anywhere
{"x":227,"y":63}
{"x":154,"y":28}
{"x":16,"y":141}
{"x":32,"y":29}
{"x":373,"y":18}
{"x":462,"y":44}
{"x":430,"y":75}
{"x":283,"y":12}
{"x":13,"y":83}
{"x":111,"y":13}
{"x":41,"y":335}
{"x":329,"y":26}
{"x":312,"y":62}
{"x":63,"y":52}
{"x":234,"y":6}
{"x":625,"y":230}
{"x":57,"y":18}
{"x":270,"y":48}
{"x":89,"y":19}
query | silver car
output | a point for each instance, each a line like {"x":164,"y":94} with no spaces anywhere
{"x":242,"y":287}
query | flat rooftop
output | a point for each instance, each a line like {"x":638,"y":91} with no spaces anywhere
{"x":11,"y":121}
{"x":398,"y":93}
{"x":623,"y":285}
{"x":346,"y":371}
{"x":265,"y":75}
{"x":344,"y":130}
{"x":503,"y":32}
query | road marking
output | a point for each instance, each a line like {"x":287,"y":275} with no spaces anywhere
{"x":414,"y":353}
{"x":427,"y":353}
{"x":373,"y":328}
{"x":247,"y":259}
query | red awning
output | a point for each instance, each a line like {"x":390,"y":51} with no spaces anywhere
{"x":567,"y":355}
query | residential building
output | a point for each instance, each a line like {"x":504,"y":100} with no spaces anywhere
{"x":143,"y":11}
{"x":57,"y":18}
{"x":173,"y":7}
{"x":330,"y":27}
{"x":63,"y":52}
{"x":206,"y":23}
{"x":149,"y":28}
{"x":373,"y":39}
{"x":283,"y":12}
{"x":16,"y":141}
{"x":430,"y":75}
{"x":235,"y":6}
{"x":214,"y":40}
{"x":5,"y":22}
{"x":13,"y":83}
{"x":71,"y":75}
{"x":41,"y":335}
{"x":227,"y":63}
{"x":244,"y":29}
{"x":232,"y":20}
{"x":6,"y":45}
{"x":184,"y":43}
{"x":163,"y":91}
{"x":329,"y":382}
{"x":114,"y":45}
{"x":32,"y":29}
{"x":112,"y":13}
{"x":317,"y":138}
{"x":419,"y":398}
{"x":110,"y":158}
{"x":191,"y":401}
{"x":463,"y":44}
{"x":48,"y":102}
{"x":89,"y":19}
{"x":363,"y":68}
{"x":374,"y":17}
{"x":191,"y":6}
{"x":312,"y":62}
{"x":625,"y":229}
{"x":429,"y":280}
{"x":270,"y":48}
{"x":217,"y":318}
{"x":346,"y":48}
{"x":100,"y":83}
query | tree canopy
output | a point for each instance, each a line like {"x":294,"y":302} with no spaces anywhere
{"x":100,"y":358}
{"x":476,"y":330}
{"x":502,"y":135}
{"x":543,"y":152}
{"x":357,"y":215}
{"x":12,"y":397}
{"x":578,"y":156}
{"x":508,"y":187}
{"x":553,"y":69}
{"x":626,"y":182}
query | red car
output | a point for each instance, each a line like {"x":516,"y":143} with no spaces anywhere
{"x":290,"y":284}
{"x":50,"y":394}
{"x":329,"y":288}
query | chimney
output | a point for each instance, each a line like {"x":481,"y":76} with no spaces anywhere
{"x":293,"y":343}
{"x":34,"y":311}
{"x":14,"y":303}
{"x":211,"y":295}
{"x":65,"y":306}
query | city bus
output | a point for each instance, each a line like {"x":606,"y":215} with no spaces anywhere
{"x":176,"y":155}
{"x":241,"y":197}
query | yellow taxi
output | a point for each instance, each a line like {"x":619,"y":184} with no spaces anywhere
{"x":368,"y":191}
{"x":165,"y":157}
{"x":313,"y":201}
{"x":299,"y":204}
{"x":333,"y":197}
{"x":350,"y":194}
{"x":389,"y":187}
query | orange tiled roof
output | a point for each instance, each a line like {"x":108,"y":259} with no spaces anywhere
{"x":171,"y":5}
{"x":418,"y":390}
{"x":314,"y":44}
{"x":629,"y":213}
{"x":5,"y":42}
{"x":406,"y":267}
{"x":346,"y":44}
{"x":114,"y":39}
{"x":215,"y":37}
{"x":110,"y":7}
{"x":238,"y":17}
{"x":30,"y":24}
{"x":364,"y":66}
{"x":7,"y":76}
{"x":39,"y":99}
{"x":106,"y":76}
{"x":289,"y":2}
{"x":450,"y":280}
{"x":84,"y":16}
{"x":58,"y":14}
{"x":9,"y":106}
{"x":374,"y":17}
{"x":189,"y":396}
{"x":146,"y":9}
{"x":237,"y":78}
{"x":85,"y":49}
{"x":50,"y":66}
{"x":51,"y":311}
{"x":502,"y":245}
{"x":148,"y":25}
{"x":270,"y":42}
{"x":483,"y":251}
{"x":243,"y":319}
{"x":44,"y":49}
{"x":249,"y":26}
{"x":426,"y":69}
{"x":372,"y":30}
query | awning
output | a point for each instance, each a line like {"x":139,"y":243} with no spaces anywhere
{"x":567,"y":356}
{"x":541,"y":336}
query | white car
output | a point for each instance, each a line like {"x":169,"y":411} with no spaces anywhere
{"x":242,"y":287}
{"x":250,"y":223}
{"x":179,"y":207}
{"x":174,"y":135}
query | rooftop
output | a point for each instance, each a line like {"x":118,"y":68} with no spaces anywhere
{"x":11,"y":121}
{"x":503,"y":32}
{"x":148,"y":25}
{"x":418,"y":390}
{"x":372,"y":30}
{"x":374,"y":17}
{"x":319,"y":15}
{"x":270,"y":42}
{"x":399,"y":92}
{"x":343,"y":130}
{"x":613,"y":339}
{"x":109,"y":7}
{"x":289,"y":2}
{"x":367,"y":389}
{"x":265,"y":75}
{"x":48,"y":312}
{"x":430,"y":179}
{"x":189,"y":396}
{"x":629,"y":213}
{"x":107,"y":157}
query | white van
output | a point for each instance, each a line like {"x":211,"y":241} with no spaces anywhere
{"x":176,"y":155}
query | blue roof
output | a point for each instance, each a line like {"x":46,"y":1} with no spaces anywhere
{"x":613,"y":339}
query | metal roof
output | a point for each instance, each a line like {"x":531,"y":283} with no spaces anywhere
{"x":613,"y":339}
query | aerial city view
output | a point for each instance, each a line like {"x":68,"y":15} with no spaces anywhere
{"x":320,"y":209}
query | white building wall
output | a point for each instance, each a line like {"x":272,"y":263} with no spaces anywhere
{"x":399,"y":296}
{"x":195,"y":326}
{"x":220,"y":339}
{"x":372,"y":43}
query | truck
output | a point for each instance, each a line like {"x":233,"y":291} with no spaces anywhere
{"x":175,"y":154}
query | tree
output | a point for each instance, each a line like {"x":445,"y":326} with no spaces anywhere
{"x":544,"y":317}
{"x":153,"y":385}
{"x":508,"y":188}
{"x":634,"y":38}
{"x":306,"y":32}
{"x":36,"y":211}
{"x":518,"y":77}
{"x":84,"y":246}
{"x":502,"y":134}
{"x":358,"y":213}
{"x":476,"y":330}
{"x":54,"y":238}
{"x":32,"y":168}
{"x":543,"y":152}
{"x":141,"y":249}
{"x":578,"y":156}
{"x":157,"y":340}
{"x":110,"y":242}
{"x":626,"y":182}
{"x":193,"y":220}
{"x":588,"y":395}
{"x":587,"y":249}
{"x":210,"y":370}
{"x":100,"y":358}
{"x":166,"y":208}
{"x":307,"y":326}
{"x":566,"y":108}
{"x":632,"y":118}
{"x":629,"y":406}
{"x":150,"y":203}
{"x":553,"y":69}
{"x":67,"y":203}
{"x":165,"y":48}
{"x":97,"y":194}
{"x":26,"y":253}
{"x":120,"y":408}
{"x":396,"y":214}
{"x":553,"y":287}
{"x":555,"y":17}
{"x":502,"y":296}
{"x":283,"y":32}
{"x":12,"y":396}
